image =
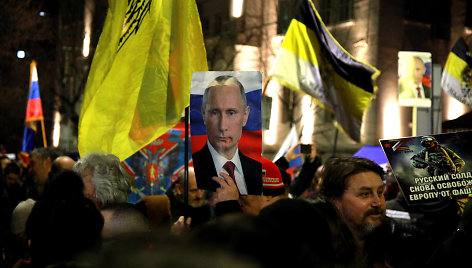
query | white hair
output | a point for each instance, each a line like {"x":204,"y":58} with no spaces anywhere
{"x":111,"y":181}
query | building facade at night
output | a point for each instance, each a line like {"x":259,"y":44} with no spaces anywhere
{"x":373,"y":31}
{"x":246,"y":35}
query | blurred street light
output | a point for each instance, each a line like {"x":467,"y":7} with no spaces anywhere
{"x":20,"y":54}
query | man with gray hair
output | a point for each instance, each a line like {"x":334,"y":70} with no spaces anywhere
{"x":225,"y":112}
{"x":106,"y":182}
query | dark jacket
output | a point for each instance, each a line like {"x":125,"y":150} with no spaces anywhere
{"x":398,"y":245}
{"x":178,"y":208}
{"x":205,"y":170}
{"x":304,"y":179}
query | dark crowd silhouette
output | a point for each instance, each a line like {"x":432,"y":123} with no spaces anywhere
{"x":61,"y":210}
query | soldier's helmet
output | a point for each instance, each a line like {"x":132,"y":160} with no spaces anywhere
{"x":428,"y":139}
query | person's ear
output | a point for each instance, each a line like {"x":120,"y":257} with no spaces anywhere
{"x":246,"y":115}
{"x":336,"y":202}
{"x":179,"y":189}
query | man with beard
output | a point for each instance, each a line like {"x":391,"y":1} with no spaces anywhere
{"x":197,"y":208}
{"x":355,"y":186}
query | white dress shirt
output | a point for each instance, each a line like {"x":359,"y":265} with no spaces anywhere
{"x":219,"y":162}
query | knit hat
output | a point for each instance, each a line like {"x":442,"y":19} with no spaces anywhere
{"x":20,"y":216}
{"x":272,"y":182}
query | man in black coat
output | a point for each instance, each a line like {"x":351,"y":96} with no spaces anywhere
{"x":225,"y":113}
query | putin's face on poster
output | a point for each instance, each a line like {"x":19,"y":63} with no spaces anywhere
{"x":225,"y":113}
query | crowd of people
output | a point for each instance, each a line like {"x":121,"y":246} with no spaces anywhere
{"x":65,"y":211}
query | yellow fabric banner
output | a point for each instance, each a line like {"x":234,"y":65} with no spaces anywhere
{"x":310,"y":60}
{"x":139,"y":82}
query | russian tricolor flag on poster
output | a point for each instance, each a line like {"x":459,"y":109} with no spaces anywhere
{"x":34,"y":111}
{"x":251,"y":140}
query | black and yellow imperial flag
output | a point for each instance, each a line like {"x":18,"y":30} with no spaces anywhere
{"x":456,"y":78}
{"x":139,"y":81}
{"x":312,"y":61}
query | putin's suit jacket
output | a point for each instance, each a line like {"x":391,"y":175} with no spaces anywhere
{"x":205,"y":170}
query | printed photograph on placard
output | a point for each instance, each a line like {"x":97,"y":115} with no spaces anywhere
{"x":225,"y":128}
{"x":414,"y":79}
{"x":432,"y":169}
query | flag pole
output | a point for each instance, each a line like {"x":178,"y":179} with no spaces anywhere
{"x":414,"y":121}
{"x":186,"y":150}
{"x":45,"y":144}
{"x":265,"y":86}
{"x":335,"y":141}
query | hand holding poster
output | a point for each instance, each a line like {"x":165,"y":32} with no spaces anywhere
{"x":432,"y":169}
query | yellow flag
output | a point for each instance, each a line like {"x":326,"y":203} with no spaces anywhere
{"x":456,"y":77}
{"x":310,"y":60}
{"x":139,"y":81}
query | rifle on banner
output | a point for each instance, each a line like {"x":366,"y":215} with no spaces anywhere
{"x":434,"y":165}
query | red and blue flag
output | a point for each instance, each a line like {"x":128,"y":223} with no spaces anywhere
{"x":34,"y":111}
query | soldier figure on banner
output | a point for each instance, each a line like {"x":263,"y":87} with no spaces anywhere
{"x":437,"y":159}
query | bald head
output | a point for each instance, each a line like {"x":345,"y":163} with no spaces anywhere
{"x":64,"y":162}
{"x":195,"y":195}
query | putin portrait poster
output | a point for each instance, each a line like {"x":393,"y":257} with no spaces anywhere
{"x":225,"y":128}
